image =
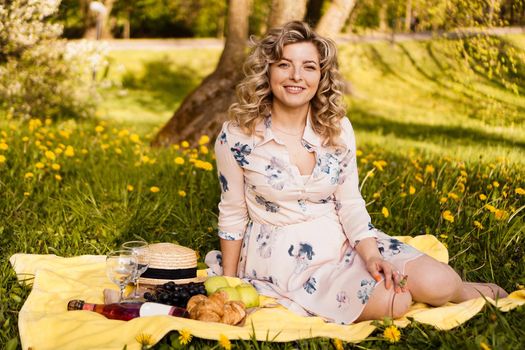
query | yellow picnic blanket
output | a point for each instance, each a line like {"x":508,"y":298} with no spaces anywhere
{"x":45,"y":323}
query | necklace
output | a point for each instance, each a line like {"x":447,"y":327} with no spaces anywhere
{"x":289,"y":133}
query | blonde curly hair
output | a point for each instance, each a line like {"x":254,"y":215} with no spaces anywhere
{"x":254,"y":95}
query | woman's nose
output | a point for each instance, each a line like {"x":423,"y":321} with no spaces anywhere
{"x":296,"y":73}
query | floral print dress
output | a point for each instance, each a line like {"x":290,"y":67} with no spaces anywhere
{"x":299,"y":231}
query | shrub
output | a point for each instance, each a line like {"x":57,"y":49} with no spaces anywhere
{"x":41,"y":75}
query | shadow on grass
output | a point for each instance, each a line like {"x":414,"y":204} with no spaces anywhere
{"x":165,"y":82}
{"x":430,"y":133}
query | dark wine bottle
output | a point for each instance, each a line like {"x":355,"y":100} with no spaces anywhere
{"x":127,"y":311}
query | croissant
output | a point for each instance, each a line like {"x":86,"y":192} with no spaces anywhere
{"x":216,"y":308}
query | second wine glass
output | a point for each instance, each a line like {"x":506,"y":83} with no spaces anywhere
{"x":141,"y":252}
{"x":121,"y":266}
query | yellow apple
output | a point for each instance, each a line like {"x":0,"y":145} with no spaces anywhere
{"x":212,"y":284}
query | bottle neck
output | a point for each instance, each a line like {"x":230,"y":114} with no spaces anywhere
{"x":88,"y":306}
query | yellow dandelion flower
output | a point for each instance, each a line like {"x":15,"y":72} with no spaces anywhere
{"x":55,"y":166}
{"x":385,"y":212}
{"x":34,"y":123}
{"x":84,"y":151}
{"x":154,"y":189}
{"x":463,"y":173}
{"x":363,"y":160}
{"x":478,"y":225}
{"x":4,"y":146}
{"x":104,"y":146}
{"x":376,"y":195}
{"x":184,"y":336}
{"x":500,"y":214}
{"x":392,"y":334}
{"x":224,"y":342}
{"x":453,"y":196}
{"x":338,"y":344}
{"x":443,"y":200}
{"x":412,"y":190}
{"x":58,"y":150}
{"x":520,"y":191}
{"x":2,"y":159}
{"x":179,"y":160}
{"x":50,"y":155}
{"x":146,"y":340}
{"x":25,"y":139}
{"x":118,"y":151}
{"x":204,"y":139}
{"x":123,"y":133}
{"x":359,"y":153}
{"x":65,"y":133}
{"x":70,"y":151}
{"x":39,"y":165}
{"x":134,"y":138}
{"x":379,"y":164}
{"x":182,"y":193}
{"x":403,"y":194}
{"x":58,"y":177}
{"x":145,"y":159}
{"x":176,"y":147}
{"x":26,"y":194}
{"x":419,"y":178}
{"x":482,"y":197}
{"x":130,"y":188}
{"x":99,"y":128}
{"x":204,"y":150}
{"x":447,"y":215}
{"x":490,"y":208}
{"x":29,"y":175}
{"x":461,"y":187}
{"x":429,"y":169}
{"x":484,"y":346}
{"x":185,"y":144}
{"x":495,"y":184}
{"x":48,"y":121}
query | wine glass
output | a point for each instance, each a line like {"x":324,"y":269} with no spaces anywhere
{"x":121,"y":266}
{"x":141,"y":251}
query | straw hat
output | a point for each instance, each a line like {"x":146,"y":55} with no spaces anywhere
{"x":170,"y":262}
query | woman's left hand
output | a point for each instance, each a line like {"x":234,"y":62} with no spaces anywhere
{"x":375,"y":265}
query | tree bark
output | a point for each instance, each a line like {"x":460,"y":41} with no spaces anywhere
{"x":91,"y":30}
{"x":284,"y":11}
{"x":206,"y":108}
{"x":335,"y":17}
{"x":408,"y":15}
{"x":383,"y":24}
{"x":313,"y":12}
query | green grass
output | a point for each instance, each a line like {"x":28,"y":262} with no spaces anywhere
{"x":449,"y":139}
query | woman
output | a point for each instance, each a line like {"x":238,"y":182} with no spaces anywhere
{"x":291,"y":217}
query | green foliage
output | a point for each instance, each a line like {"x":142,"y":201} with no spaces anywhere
{"x":41,"y":76}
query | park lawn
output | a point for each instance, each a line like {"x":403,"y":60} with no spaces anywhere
{"x":436,"y":156}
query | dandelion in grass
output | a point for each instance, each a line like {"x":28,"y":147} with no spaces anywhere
{"x":443,"y":200}
{"x":58,"y":177}
{"x":134,"y":138}
{"x":145,"y":340}
{"x":204,"y":150}
{"x":224,"y":342}
{"x":204,"y":139}
{"x":376,"y":195}
{"x":130,"y":188}
{"x":478,"y":225}
{"x":3,"y":159}
{"x":179,"y":160}
{"x":379,"y":164}
{"x":182,"y":193}
{"x":26,"y":194}
{"x":338,"y":344}
{"x":154,"y":189}
{"x":484,"y":346}
{"x":185,"y":144}
{"x":99,"y":128}
{"x":70,"y":151}
{"x":490,"y":208}
{"x":385,"y":212}
{"x":50,"y":155}
{"x":392,"y":334}
{"x":447,"y":215}
{"x":118,"y":151}
{"x":500,"y":214}
{"x":184,"y":336}
{"x":4,"y":146}
{"x":482,"y":197}
{"x":84,"y":151}
{"x":358,"y":153}
{"x":495,"y":184}
{"x":55,"y":166}
{"x":520,"y":191}
{"x":29,"y":175}
{"x":25,"y":139}
{"x":58,"y":150}
{"x":453,"y":196}
{"x":412,"y":190}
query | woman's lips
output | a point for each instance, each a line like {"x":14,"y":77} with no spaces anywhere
{"x":294,"y":89}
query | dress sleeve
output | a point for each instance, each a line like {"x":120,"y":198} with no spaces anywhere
{"x":233,"y":214}
{"x":350,"y":204}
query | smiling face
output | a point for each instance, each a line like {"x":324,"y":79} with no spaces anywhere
{"x":294,"y":79}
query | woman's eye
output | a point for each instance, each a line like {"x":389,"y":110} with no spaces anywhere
{"x":282,"y":65}
{"x":310,"y":67}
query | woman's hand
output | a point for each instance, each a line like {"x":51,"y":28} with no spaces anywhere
{"x":376,"y":264}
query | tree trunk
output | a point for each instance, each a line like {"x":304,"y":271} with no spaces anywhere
{"x":383,"y":24}
{"x":408,"y":15}
{"x":335,"y":17}
{"x":105,"y":28}
{"x":313,"y":12}
{"x":284,"y":11}
{"x":206,"y":108}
